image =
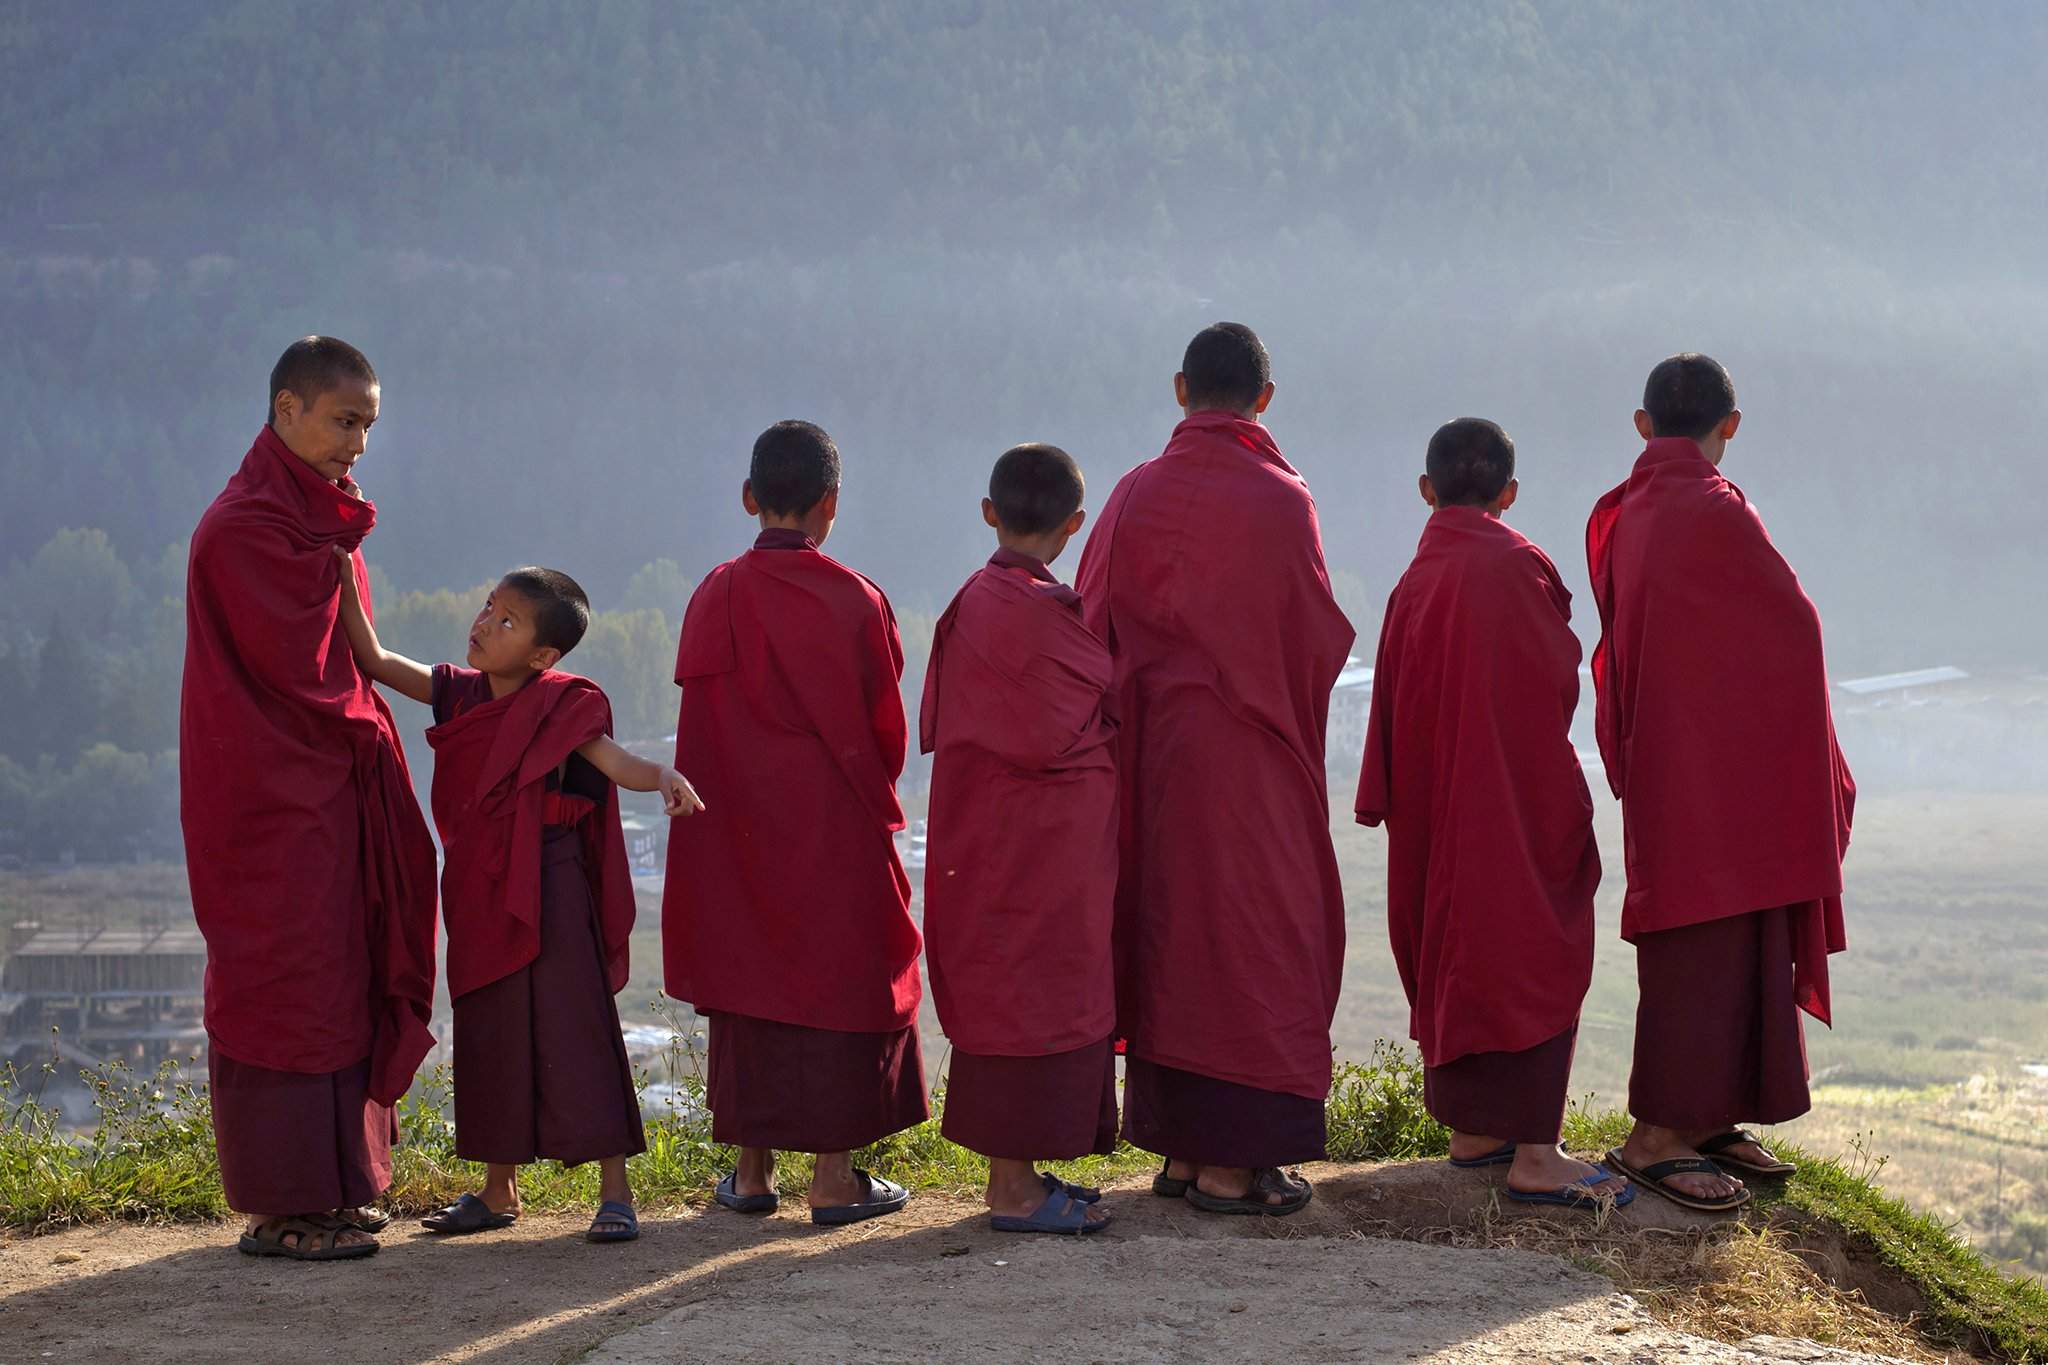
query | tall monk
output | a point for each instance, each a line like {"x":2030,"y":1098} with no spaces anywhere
{"x":1491,"y":864}
{"x":311,"y":868}
{"x":1020,"y":877}
{"x":1205,"y":577}
{"x":786,"y":915}
{"x":1714,"y":724}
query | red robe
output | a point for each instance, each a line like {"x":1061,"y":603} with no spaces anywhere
{"x":1205,"y":577}
{"x":1491,"y":864}
{"x":1713,"y":714}
{"x":785,"y":899}
{"x":312,"y":870}
{"x":491,"y":765}
{"x":1021,"y":861}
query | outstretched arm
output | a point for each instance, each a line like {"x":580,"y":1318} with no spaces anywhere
{"x":408,"y":677}
{"x":642,"y":775}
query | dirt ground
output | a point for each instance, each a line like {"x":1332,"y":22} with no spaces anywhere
{"x":929,"y":1284}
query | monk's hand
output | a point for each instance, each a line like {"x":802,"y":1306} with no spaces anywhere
{"x":678,"y":797}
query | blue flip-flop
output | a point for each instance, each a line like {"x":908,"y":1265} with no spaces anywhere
{"x":1059,"y":1212}
{"x":1080,"y":1194}
{"x":729,"y":1196}
{"x":880,"y":1197}
{"x":1579,"y":1194}
{"x":612,"y":1211}
{"x":1499,"y":1156}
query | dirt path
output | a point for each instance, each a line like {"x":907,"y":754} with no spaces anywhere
{"x":929,"y":1284}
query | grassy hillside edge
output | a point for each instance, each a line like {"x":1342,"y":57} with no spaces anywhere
{"x":150,"y":1157}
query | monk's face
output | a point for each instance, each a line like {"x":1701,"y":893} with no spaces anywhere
{"x":501,"y":637}
{"x":330,"y":433}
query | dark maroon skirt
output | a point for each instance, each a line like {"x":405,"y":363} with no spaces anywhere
{"x":1719,"y":1041}
{"x":803,"y":1089}
{"x":1513,"y":1096}
{"x":291,"y":1143}
{"x":1190,"y":1117}
{"x":540,"y":1066}
{"x":1051,"y":1108}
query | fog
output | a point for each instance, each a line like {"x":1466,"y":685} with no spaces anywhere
{"x":593,"y":253}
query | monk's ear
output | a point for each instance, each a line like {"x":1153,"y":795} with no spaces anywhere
{"x":747,"y":498}
{"x":1507,"y":496}
{"x":1265,"y":397}
{"x":1729,"y":423}
{"x":1180,"y":390}
{"x":1643,"y":427}
{"x":545,"y":658}
{"x":284,"y":408}
{"x":988,"y":513}
{"x":1074,"y":522}
{"x":1427,"y":489}
{"x":828,"y":507}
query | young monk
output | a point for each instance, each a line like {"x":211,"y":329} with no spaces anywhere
{"x":1491,"y":864}
{"x":312,"y":869}
{"x":786,"y":914}
{"x":1205,"y":577}
{"x":536,"y":893}
{"x":1714,"y":724}
{"x":1020,"y":876}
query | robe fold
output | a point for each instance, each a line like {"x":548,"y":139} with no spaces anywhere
{"x":492,"y":764}
{"x":1020,"y":868}
{"x":311,"y":868}
{"x":1055,"y":1107}
{"x":1205,"y":577}
{"x":1491,"y":862}
{"x":1713,"y":715}
{"x":785,"y":899}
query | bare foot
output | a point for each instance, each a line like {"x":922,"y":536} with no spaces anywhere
{"x":1472,"y":1146}
{"x":1648,"y":1144}
{"x":833,"y":1183}
{"x":754,"y":1172}
{"x":1537,"y":1169}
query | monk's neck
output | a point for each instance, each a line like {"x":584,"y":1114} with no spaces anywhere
{"x":502,"y":686}
{"x":806,"y":525}
{"x":1044,"y":549}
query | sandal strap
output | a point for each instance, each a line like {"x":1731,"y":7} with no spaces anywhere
{"x":1721,"y":1142}
{"x":1678,"y":1165}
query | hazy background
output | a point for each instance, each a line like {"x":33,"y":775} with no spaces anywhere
{"x":594,"y":249}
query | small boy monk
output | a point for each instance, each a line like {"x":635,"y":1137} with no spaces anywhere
{"x":1020,"y":878}
{"x":535,"y":892}
{"x":1717,"y":735}
{"x":1491,"y":863}
{"x":785,"y":918}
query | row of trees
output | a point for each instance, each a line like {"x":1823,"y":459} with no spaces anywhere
{"x":92,"y":657}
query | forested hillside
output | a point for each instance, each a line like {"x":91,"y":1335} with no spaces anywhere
{"x":593,"y":249}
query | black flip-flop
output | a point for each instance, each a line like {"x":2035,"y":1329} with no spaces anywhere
{"x":1169,"y":1187}
{"x":1716,"y":1148}
{"x":729,"y":1196}
{"x":1265,"y":1180}
{"x":466,"y":1215}
{"x":1499,"y":1156}
{"x":879,"y":1197}
{"x":625,"y":1224}
{"x":1653,"y":1176}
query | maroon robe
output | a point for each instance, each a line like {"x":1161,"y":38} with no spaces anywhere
{"x":1491,"y":863}
{"x":785,"y":917}
{"x":539,"y":903}
{"x":1715,"y":727}
{"x":1021,"y":864}
{"x":1205,"y":577}
{"x":312,"y":870}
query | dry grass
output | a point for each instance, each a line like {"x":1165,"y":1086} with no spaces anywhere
{"x":1729,"y":1282}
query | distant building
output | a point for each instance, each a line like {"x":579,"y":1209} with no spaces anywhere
{"x":97,"y":995}
{"x":1350,"y":705}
